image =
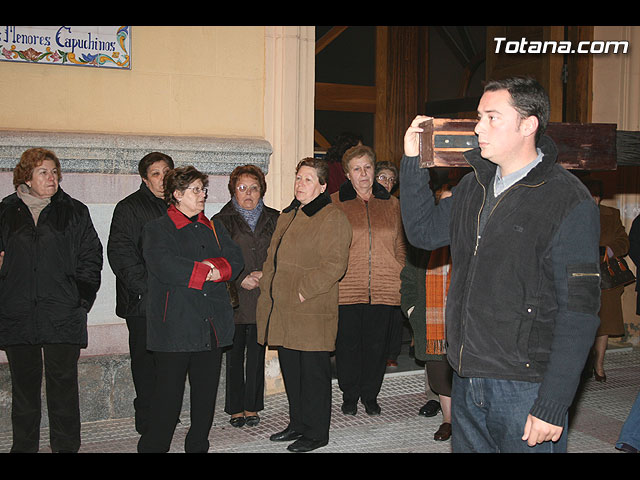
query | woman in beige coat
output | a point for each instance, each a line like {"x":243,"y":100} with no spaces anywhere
{"x":297,"y":309}
{"x":371,"y":287}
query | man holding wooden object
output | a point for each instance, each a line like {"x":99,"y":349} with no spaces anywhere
{"x":522,"y":307}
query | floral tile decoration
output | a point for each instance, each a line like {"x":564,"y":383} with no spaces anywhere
{"x":93,"y":46}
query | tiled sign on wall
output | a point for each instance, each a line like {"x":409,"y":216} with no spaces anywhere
{"x":98,"y":46}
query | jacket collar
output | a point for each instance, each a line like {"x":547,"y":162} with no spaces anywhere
{"x":180,"y":220}
{"x":311,"y":208}
{"x":347,"y":192}
{"x":59,"y":196}
{"x":145,"y":190}
{"x":486,"y":169}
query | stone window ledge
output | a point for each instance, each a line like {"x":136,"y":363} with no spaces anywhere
{"x":120,"y":154}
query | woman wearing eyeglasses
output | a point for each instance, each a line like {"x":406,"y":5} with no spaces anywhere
{"x":189,"y":314}
{"x":387,"y":175}
{"x":250,"y":223}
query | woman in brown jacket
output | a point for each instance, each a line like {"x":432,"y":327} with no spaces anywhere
{"x":615,"y":242}
{"x":297,"y":309}
{"x":371,"y":287}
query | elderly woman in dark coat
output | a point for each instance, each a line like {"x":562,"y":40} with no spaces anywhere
{"x":251,"y":224}
{"x":298,"y":304}
{"x":124,"y":250}
{"x":50,"y":263}
{"x":189,"y":314}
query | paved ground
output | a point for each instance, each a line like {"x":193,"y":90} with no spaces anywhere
{"x":599,"y":413}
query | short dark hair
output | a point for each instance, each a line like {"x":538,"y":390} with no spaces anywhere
{"x":528,"y":97}
{"x":251,"y":170}
{"x":320,"y":165}
{"x":341,"y":144}
{"x":29,"y":160}
{"x":179,"y":179}
{"x":357,"y":151}
{"x":151,"y":158}
{"x":386,"y":165}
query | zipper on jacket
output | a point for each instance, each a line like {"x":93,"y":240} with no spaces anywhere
{"x":475,"y":251}
{"x":484,"y":199}
{"x":166,"y":302}
{"x":366,"y":206}
{"x":585,"y":274}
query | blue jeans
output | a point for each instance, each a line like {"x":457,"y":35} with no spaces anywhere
{"x":630,"y":433}
{"x":489,"y":415}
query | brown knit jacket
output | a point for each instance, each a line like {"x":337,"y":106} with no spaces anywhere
{"x":378,"y":247}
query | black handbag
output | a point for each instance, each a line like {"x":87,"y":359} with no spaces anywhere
{"x":231,"y":286}
{"x":615,"y":272}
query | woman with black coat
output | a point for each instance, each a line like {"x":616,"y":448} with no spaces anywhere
{"x":50,"y":263}
{"x":124,"y":250}
{"x":189,"y":314}
{"x":251,"y":224}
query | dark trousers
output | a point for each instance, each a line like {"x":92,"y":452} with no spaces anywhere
{"x":439,"y":376}
{"x":173,"y":368}
{"x":396,"y":326}
{"x":142,"y":370}
{"x":61,"y":385}
{"x":307,"y":380}
{"x":245,"y":380}
{"x":361,"y":348}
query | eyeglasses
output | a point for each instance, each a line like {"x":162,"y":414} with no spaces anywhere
{"x":198,"y":190}
{"x":245,"y":189}
{"x":384,"y":178}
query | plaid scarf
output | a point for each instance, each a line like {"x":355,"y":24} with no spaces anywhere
{"x":437,"y":286}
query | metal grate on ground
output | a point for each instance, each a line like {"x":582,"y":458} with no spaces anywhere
{"x":600,"y":410}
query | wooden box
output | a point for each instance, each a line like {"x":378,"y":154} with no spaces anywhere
{"x":581,"y":146}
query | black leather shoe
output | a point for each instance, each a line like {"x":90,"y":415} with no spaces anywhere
{"x":237,"y":421}
{"x":349,"y":408}
{"x":252,"y":420}
{"x":306,"y":445}
{"x":443,"y":433}
{"x":286,"y":435}
{"x":371,"y":407}
{"x":430,"y":409}
{"x":599,"y":378}
{"x":625,"y":447}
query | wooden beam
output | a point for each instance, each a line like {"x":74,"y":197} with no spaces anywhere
{"x":320,"y":140}
{"x":328,"y":37}
{"x":579,"y":88}
{"x":345,"y":98}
